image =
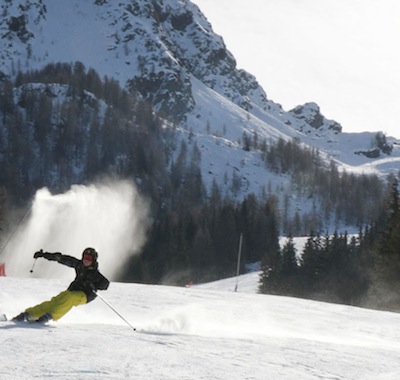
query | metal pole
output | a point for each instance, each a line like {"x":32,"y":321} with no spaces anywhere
{"x":116,"y":312}
{"x":33,"y":266}
{"x":238,"y":262}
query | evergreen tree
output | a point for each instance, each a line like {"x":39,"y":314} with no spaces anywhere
{"x":385,"y":289}
{"x":312,"y":264}
{"x":271,"y":265}
{"x":7,"y":106}
{"x":289,"y":270}
{"x":289,"y":260}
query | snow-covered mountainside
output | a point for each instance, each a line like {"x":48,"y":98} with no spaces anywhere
{"x":168,"y":52}
{"x":195,"y":333}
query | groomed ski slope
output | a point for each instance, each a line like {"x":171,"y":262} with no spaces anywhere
{"x":203,"y":332}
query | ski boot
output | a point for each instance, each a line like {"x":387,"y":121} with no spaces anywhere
{"x":23,"y":317}
{"x":45,"y":318}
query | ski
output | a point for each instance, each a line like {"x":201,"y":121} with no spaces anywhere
{"x":3,"y":318}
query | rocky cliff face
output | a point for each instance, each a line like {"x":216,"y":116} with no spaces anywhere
{"x":168,"y":52}
{"x":155,"y":47}
{"x":311,"y":120}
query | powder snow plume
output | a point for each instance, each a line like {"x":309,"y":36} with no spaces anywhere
{"x":109,"y":216}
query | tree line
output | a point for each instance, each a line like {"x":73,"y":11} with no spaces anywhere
{"x":354,"y":199}
{"x":360,"y":270}
{"x":53,"y":140}
{"x":200,"y":244}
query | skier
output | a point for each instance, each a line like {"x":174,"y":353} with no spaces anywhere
{"x":82,"y":290}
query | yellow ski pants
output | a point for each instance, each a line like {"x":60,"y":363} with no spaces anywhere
{"x":58,"y":305}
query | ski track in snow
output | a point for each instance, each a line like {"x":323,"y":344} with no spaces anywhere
{"x":204,"y":332}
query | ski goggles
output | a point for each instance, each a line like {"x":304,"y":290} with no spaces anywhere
{"x":87,"y":257}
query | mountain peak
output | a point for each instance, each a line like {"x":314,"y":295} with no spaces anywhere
{"x":151,"y":47}
{"x":310,"y":115}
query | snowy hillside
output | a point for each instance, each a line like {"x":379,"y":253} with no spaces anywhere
{"x":196,"y":333}
{"x":170,"y":54}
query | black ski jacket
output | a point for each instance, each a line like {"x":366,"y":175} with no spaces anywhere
{"x":88,"y":279}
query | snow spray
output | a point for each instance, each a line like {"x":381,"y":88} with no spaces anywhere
{"x":109,"y":216}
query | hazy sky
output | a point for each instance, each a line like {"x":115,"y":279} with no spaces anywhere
{"x":342,"y":54}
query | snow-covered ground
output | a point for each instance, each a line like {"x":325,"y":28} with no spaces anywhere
{"x":203,"y":332}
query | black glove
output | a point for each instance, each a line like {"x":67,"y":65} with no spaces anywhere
{"x":38,"y":254}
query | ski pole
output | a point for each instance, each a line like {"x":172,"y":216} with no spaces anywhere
{"x":33,"y":266}
{"x":116,"y":312}
{"x":34,"y":263}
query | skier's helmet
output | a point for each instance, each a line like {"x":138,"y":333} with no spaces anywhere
{"x":90,"y":252}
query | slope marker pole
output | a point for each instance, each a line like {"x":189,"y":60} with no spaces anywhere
{"x":238,"y":261}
